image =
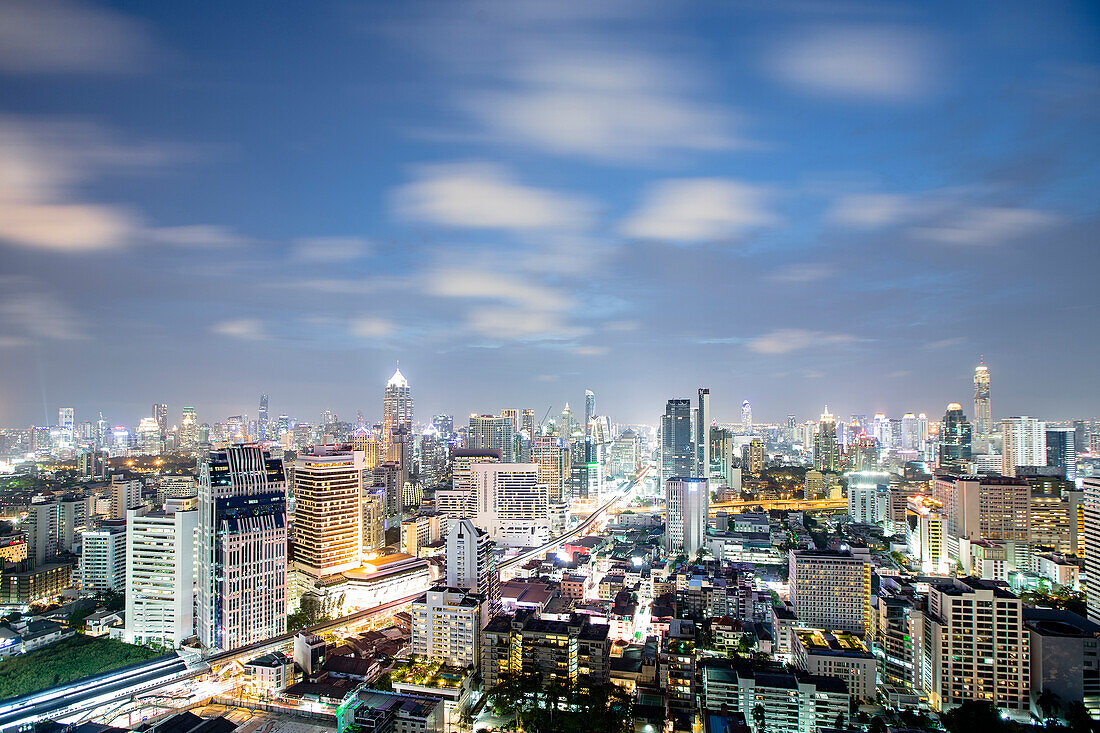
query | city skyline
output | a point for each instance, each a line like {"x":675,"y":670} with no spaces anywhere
{"x":790,"y":205}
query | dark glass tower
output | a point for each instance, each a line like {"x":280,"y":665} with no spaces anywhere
{"x":955,"y":441}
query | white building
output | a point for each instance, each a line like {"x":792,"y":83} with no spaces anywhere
{"x":160,"y":573}
{"x":446,"y":627}
{"x":1025,"y":443}
{"x":1092,"y":547}
{"x":103,"y":558}
{"x":831,"y":590}
{"x":792,"y":702}
{"x":470,"y":559}
{"x":512,"y":505}
{"x":868,"y":496}
{"x":687,"y":501}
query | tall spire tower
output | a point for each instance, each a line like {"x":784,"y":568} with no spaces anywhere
{"x":397,"y":405}
{"x":983,"y":414}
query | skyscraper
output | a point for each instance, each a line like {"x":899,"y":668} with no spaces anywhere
{"x":746,"y":417}
{"x":328,"y":526}
{"x":445,"y":424}
{"x":983,"y":414}
{"x":702,"y":435}
{"x":831,"y":590}
{"x":513,"y":415}
{"x":552,"y":458}
{"x":242,"y":543}
{"x":1062,"y":450}
{"x":262,"y":421}
{"x":490,"y":432}
{"x":955,"y":441}
{"x":160,"y":573}
{"x":589,"y":409}
{"x":513,"y":506}
{"x":1092,"y":546}
{"x":189,"y":429}
{"x":527,"y":420}
{"x":397,"y":406}
{"x":1025,"y":443}
{"x":676,"y":440}
{"x":687,"y":503}
{"x":469,"y":558}
{"x":160,"y":414}
{"x":826,"y":447}
{"x":66,"y":420}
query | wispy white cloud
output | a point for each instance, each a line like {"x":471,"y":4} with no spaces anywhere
{"x":197,"y":235}
{"x":870,"y":210}
{"x":28,"y":313}
{"x":246,"y":329}
{"x":518,"y":323}
{"x":331,"y":249}
{"x":624,"y":108}
{"x":987,"y":226}
{"x":591,"y":350}
{"x":486,"y":284}
{"x":485,"y":196}
{"x":805,"y":272}
{"x":877,"y":62}
{"x":700,"y":209}
{"x":787,"y":340}
{"x":58,"y":36}
{"x":944,"y":343}
{"x":371,"y":327}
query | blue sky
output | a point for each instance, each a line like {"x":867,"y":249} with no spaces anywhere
{"x":789,"y":202}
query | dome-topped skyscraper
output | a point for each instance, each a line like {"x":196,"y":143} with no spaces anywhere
{"x":397,"y":405}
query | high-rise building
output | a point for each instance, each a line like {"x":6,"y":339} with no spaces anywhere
{"x":446,"y":627}
{"x":189,"y":429}
{"x":125,"y":494}
{"x":566,"y":651}
{"x":589,"y":410}
{"x":328,"y":524}
{"x":469,"y":560}
{"x":701,"y":439}
{"x":868,"y":496}
{"x":565,"y":426}
{"x":754,"y":456}
{"x":445,"y":424}
{"x":831,"y":589}
{"x":687,"y":503}
{"x":103,"y":557}
{"x":513,"y":506}
{"x":972,"y":645}
{"x":160,"y":415}
{"x":1062,"y":450}
{"x":676,"y":441}
{"x":160,"y":573}
{"x":983,"y":413}
{"x":527,"y":423}
{"x":552,"y":458}
{"x":955,"y":440}
{"x":149,"y":437}
{"x":625,"y":453}
{"x":461,"y":500}
{"x":242,"y":541}
{"x":746,"y":417}
{"x":489,"y":432}
{"x":1025,"y":443}
{"x":513,"y":415}
{"x":983,"y":507}
{"x":262,"y":421}
{"x":397,"y":406}
{"x":1091,"y":526}
{"x":826,"y":446}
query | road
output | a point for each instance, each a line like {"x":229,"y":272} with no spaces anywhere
{"x":561,"y":539}
{"x":66,"y":701}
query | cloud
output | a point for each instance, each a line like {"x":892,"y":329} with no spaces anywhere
{"x":484,"y":284}
{"x":65,"y":227}
{"x":28,"y":313}
{"x":886,"y":63}
{"x":987,"y":226}
{"x":197,"y":235}
{"x":803,"y":273}
{"x":247,"y":329}
{"x":786,"y":340}
{"x":517,"y":323}
{"x":485,"y":196}
{"x":55,"y":36}
{"x":371,"y":327}
{"x":622,"y":108}
{"x":622,"y":326}
{"x":944,"y":343}
{"x":591,"y":350}
{"x":699,"y":209}
{"x":331,"y":249}
{"x":870,"y":210}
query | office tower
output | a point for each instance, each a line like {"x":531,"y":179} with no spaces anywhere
{"x":461,"y":500}
{"x":1025,"y":443}
{"x":984,"y":508}
{"x":753,"y":456}
{"x":160,"y":573}
{"x":701,"y":439}
{"x":149,"y":440}
{"x":470,"y":564}
{"x":262,"y":420}
{"x":512,"y":415}
{"x":527,"y":423}
{"x":831,"y":589}
{"x":746,"y":417}
{"x":955,"y":441}
{"x":103,"y":557}
{"x":489,"y":432}
{"x":625,"y":453}
{"x":397,"y":406}
{"x":513,"y":506}
{"x":687,"y":503}
{"x":983,"y":413}
{"x":125,"y":494}
{"x":66,"y":422}
{"x":189,"y":429}
{"x":676,"y":440}
{"x":565,"y":426}
{"x":445,"y":424}
{"x":552,"y":458}
{"x":1062,"y":450}
{"x":826,"y":448}
{"x":1091,"y":526}
{"x":973,"y":646}
{"x":589,"y":410}
{"x":373,"y":514}
{"x":328,"y":524}
{"x":242,"y":547}
{"x":868,"y":496}
{"x":863,"y":454}
{"x":446,"y":627}
{"x":160,"y":416}
{"x":910,"y":432}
